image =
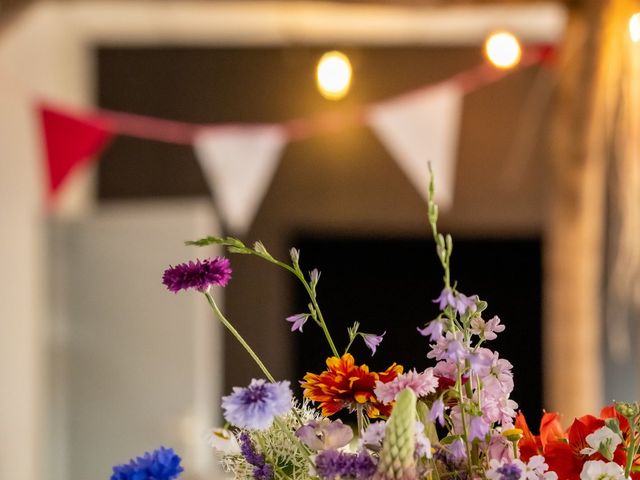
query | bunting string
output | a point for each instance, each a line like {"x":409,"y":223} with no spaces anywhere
{"x":404,"y":123}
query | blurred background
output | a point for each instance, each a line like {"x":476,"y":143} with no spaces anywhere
{"x":128,"y":127}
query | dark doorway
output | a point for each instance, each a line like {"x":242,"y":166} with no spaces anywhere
{"x":388,"y":285}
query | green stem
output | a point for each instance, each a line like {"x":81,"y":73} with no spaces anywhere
{"x":631,"y":453}
{"x":360,"y":419}
{"x":464,"y":422}
{"x":301,"y":447}
{"x":300,"y":276}
{"x":236,"y":334}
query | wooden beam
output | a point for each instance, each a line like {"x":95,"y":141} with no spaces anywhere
{"x":574,"y":232}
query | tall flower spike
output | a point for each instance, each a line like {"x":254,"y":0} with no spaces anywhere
{"x":397,"y":455}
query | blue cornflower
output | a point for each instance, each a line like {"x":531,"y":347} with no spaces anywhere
{"x":161,"y":464}
{"x":255,"y":406}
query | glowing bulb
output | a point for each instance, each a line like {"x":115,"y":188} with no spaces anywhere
{"x":333,"y":75}
{"x":634,"y":27}
{"x":503,"y":50}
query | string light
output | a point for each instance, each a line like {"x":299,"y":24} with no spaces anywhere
{"x":503,"y":49}
{"x":634,"y":27}
{"x":333,"y":75}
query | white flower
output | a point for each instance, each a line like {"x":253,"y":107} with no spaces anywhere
{"x":603,"y":440}
{"x":536,"y":469}
{"x":599,"y":470}
{"x":223,"y":441}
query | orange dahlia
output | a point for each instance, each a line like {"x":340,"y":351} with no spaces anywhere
{"x":347,"y":385}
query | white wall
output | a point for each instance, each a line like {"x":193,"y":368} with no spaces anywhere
{"x":46,"y":53}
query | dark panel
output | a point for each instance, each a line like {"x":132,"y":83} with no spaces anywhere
{"x":388,"y":285}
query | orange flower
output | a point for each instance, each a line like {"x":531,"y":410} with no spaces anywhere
{"x":346,"y":385}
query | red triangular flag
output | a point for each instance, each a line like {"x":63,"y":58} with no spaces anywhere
{"x":71,"y":141}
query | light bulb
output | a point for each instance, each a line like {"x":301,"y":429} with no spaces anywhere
{"x":634,"y":27}
{"x":503,"y":49}
{"x":333,"y":75}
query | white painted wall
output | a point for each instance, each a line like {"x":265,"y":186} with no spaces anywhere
{"x":46,"y":53}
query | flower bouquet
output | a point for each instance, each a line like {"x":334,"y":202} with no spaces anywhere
{"x":454,"y":420}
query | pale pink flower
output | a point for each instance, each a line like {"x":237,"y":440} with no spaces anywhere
{"x":422,"y":385}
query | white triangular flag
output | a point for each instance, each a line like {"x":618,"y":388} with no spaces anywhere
{"x":239,"y":164}
{"x":422,"y":128}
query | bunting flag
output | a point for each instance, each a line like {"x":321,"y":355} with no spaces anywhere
{"x":239,"y":164}
{"x":71,"y":141}
{"x":419,"y":129}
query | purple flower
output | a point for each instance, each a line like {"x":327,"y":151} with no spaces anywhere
{"x":331,"y":464}
{"x":478,"y":428}
{"x":161,"y":464}
{"x":437,"y":412}
{"x":200,"y":275}
{"x":445,"y":299}
{"x":372,"y":341}
{"x":325,"y":434}
{"x":298,"y":320}
{"x":509,"y":471}
{"x":255,"y":406}
{"x":261,"y":470}
{"x":464,"y":304}
{"x":433,"y":330}
{"x":457,"y":450}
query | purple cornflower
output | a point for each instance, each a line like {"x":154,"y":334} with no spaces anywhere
{"x":372,"y":341}
{"x":298,"y":320}
{"x":255,"y":406}
{"x":509,"y":471}
{"x":261,"y":470}
{"x":161,"y":464}
{"x":199,"y":275}
{"x":332,"y":464}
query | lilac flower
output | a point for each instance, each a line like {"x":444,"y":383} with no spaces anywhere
{"x":331,"y":464}
{"x":451,"y":347}
{"x":200,"y":275}
{"x":423,"y":444}
{"x":374,"y":434}
{"x":422,"y":385}
{"x":500,"y":448}
{"x":481,"y":361}
{"x":437,"y":412}
{"x":298,"y":320}
{"x":460,"y":302}
{"x":486,"y":329}
{"x":433,"y":330}
{"x":445,"y":299}
{"x":457,"y":450}
{"x":255,"y":406}
{"x":161,"y":464}
{"x":325,"y":434}
{"x":464,"y":304}
{"x":478,"y":428}
{"x":314,"y":276}
{"x":372,"y":341}
{"x":261,"y":469}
